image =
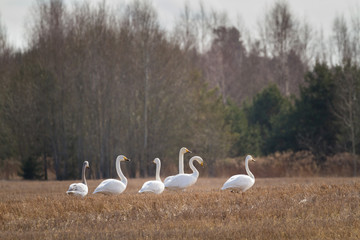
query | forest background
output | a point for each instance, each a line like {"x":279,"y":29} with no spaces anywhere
{"x":95,"y":82}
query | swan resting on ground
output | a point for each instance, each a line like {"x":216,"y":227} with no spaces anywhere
{"x":182,"y":151}
{"x":183,"y":180}
{"x":80,"y":189}
{"x":241,"y":182}
{"x":114,"y":186}
{"x":154,"y":186}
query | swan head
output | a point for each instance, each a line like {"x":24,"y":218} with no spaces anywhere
{"x":156,"y":161}
{"x":199,"y":160}
{"x":86,"y":164}
{"x":185,"y":150}
{"x":249,"y":157}
{"x":122,"y":158}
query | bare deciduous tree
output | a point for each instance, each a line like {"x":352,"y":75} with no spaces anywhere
{"x":341,"y":40}
{"x":279,"y":36}
{"x":347,"y":105}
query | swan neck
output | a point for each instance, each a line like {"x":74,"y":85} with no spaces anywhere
{"x":195,"y":171}
{"x":181,"y":162}
{"x":83,"y":174}
{"x":123,"y":179}
{"x":247,"y":169}
{"x":158,"y":166}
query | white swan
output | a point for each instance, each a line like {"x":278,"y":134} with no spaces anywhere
{"x":155,"y":186}
{"x":79,"y":189}
{"x":114,"y":186}
{"x":241,"y":182}
{"x":182,"y":181}
{"x":182,"y":151}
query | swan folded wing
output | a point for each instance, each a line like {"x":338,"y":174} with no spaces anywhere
{"x":149,"y":185}
{"x":180,"y":181}
{"x":110,"y":186}
{"x":77,"y":188}
{"x":240,"y":181}
{"x":103,"y":183}
{"x":73,"y":187}
{"x":152,"y":186}
{"x":168,"y":178}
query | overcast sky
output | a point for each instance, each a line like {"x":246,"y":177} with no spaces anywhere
{"x":319,"y":13}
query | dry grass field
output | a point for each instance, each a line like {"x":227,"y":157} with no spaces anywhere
{"x":282,"y":208}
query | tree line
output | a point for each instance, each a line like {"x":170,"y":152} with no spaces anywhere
{"x":95,"y":82}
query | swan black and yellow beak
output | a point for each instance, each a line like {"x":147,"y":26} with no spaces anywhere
{"x":202,"y":163}
{"x":188,"y":151}
{"x":126,"y":159}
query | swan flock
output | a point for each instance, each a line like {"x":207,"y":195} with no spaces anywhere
{"x":180,"y":181}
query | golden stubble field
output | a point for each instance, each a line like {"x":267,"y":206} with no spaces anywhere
{"x":283,"y":208}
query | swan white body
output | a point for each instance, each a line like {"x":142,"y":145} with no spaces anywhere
{"x":154,"y":186}
{"x":182,"y":181}
{"x":114,"y":186}
{"x":80,"y":189}
{"x":241,"y":182}
{"x":182,"y":152}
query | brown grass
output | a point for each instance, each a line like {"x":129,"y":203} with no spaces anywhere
{"x":283,"y":208}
